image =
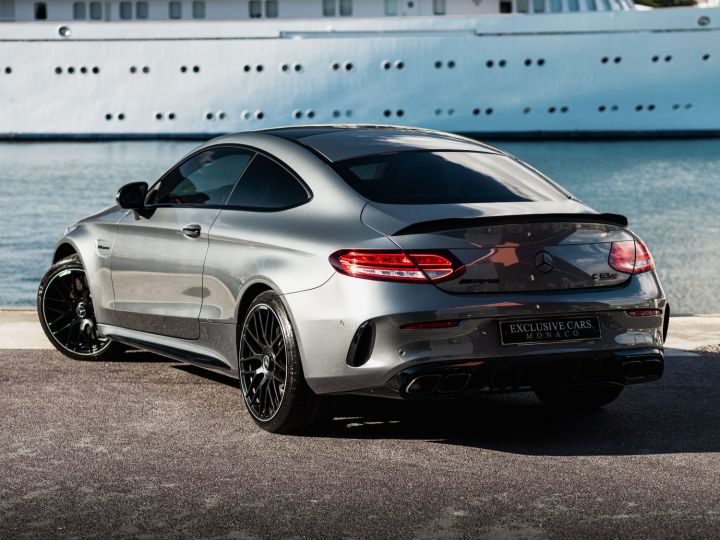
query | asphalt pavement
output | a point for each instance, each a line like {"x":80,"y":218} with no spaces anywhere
{"x":149,"y":448}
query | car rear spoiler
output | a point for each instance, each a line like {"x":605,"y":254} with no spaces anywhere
{"x":450,"y":224}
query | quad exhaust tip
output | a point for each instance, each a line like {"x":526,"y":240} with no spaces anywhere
{"x":428,"y":384}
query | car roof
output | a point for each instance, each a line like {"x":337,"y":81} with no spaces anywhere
{"x":340,"y":142}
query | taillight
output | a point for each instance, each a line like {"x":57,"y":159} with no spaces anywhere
{"x":630,"y":257}
{"x":419,"y":267}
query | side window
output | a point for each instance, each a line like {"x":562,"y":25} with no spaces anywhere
{"x":267,"y":185}
{"x":207,"y":178}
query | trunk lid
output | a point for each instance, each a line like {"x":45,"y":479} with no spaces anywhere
{"x":510,"y":247}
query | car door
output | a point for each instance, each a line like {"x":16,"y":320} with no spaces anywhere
{"x":158,"y":255}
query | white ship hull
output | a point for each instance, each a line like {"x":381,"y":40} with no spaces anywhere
{"x":666,"y":80}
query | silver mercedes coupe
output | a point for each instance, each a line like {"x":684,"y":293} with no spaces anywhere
{"x":375,"y":260}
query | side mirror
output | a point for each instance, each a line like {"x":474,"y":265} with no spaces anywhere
{"x":132,"y":196}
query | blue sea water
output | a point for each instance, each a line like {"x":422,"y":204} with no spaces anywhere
{"x":667,"y":188}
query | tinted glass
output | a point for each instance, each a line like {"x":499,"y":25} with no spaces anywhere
{"x":445,"y":177}
{"x":207,"y":178}
{"x":267,"y":185}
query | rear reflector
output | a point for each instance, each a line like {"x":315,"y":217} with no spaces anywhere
{"x":630,"y":257}
{"x":419,"y":267}
{"x":429,"y":325}
{"x":643,"y":312}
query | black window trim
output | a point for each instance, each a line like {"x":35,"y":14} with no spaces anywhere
{"x":226,"y":206}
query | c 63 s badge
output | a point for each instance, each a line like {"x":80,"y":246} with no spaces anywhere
{"x":605,"y":276}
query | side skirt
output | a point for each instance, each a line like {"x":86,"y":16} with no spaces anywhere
{"x":175,"y":348}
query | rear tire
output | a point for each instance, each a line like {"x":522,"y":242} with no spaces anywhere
{"x":578,"y":398}
{"x":271,"y":375}
{"x":66,"y":313}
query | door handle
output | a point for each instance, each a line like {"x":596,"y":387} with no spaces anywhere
{"x":191,"y":231}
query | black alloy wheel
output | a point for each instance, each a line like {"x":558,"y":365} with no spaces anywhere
{"x":66,"y":312}
{"x":271,"y":375}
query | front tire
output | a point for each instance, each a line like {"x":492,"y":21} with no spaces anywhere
{"x":579,"y":398}
{"x":271,"y":376}
{"x":66,"y":313}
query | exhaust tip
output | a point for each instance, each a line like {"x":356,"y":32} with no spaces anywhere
{"x":456,"y":382}
{"x":426,"y":384}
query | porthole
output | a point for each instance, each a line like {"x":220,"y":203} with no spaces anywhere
{"x":651,"y":107}
{"x":71,"y":70}
{"x":703,"y":21}
{"x":96,"y":70}
{"x":348,"y":113}
{"x":158,"y":116}
{"x":133,"y":69}
{"x":246,"y":68}
{"x":171,"y":116}
{"x":245,"y":115}
{"x":526,"y":110}
{"x":688,"y":105}
{"x":638,"y":108}
{"x":617,"y":59}
{"x":196,"y":69}
{"x":259,"y":68}
{"x":310,"y":114}
{"x":551,"y":110}
{"x":121,"y":116}
{"x":183,"y":69}
{"x":605,"y":60}
{"x":676,"y":106}
{"x":668,"y":58}
{"x":297,"y":114}
{"x":297,"y":67}
{"x":438,"y":112}
{"x":502,"y":63}
{"x":528,"y":62}
{"x":541,"y":62}
{"x":385,"y":65}
{"x":601,"y":108}
{"x":489,"y":63}
{"x":208,"y":115}
{"x":451,"y":112}
{"x":476,"y":111}
{"x":451,"y":64}
{"x":348,"y":66}
{"x":284,"y":67}
{"x":563,"y":109}
{"x":8,"y":70}
{"x":614,"y":108}
{"x":386,"y":113}
{"x":400,"y":112}
{"x":655,"y":58}
{"x":108,"y":116}
{"x":399,"y":64}
{"x":259,"y":115}
{"x":335,"y":66}
{"x":83,"y":70}
{"x":58,"y":70}
{"x":221,"y":115}
{"x":146,"y":69}
{"x":336,"y":114}
{"x":488,"y":111}
{"x":438,"y":64}
{"x":706,"y":57}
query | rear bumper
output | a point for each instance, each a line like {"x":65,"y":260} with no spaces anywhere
{"x":327,"y":320}
{"x":525,"y":373}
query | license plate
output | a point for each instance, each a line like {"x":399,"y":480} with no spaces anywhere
{"x":549,"y":330}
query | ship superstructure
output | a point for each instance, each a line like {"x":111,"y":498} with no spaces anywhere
{"x":152,"y":68}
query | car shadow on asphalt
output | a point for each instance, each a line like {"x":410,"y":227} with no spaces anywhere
{"x":679,"y":413}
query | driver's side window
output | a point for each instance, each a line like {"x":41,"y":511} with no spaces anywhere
{"x":205,"y":179}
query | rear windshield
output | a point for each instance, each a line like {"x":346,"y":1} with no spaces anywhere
{"x":443,"y":177}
